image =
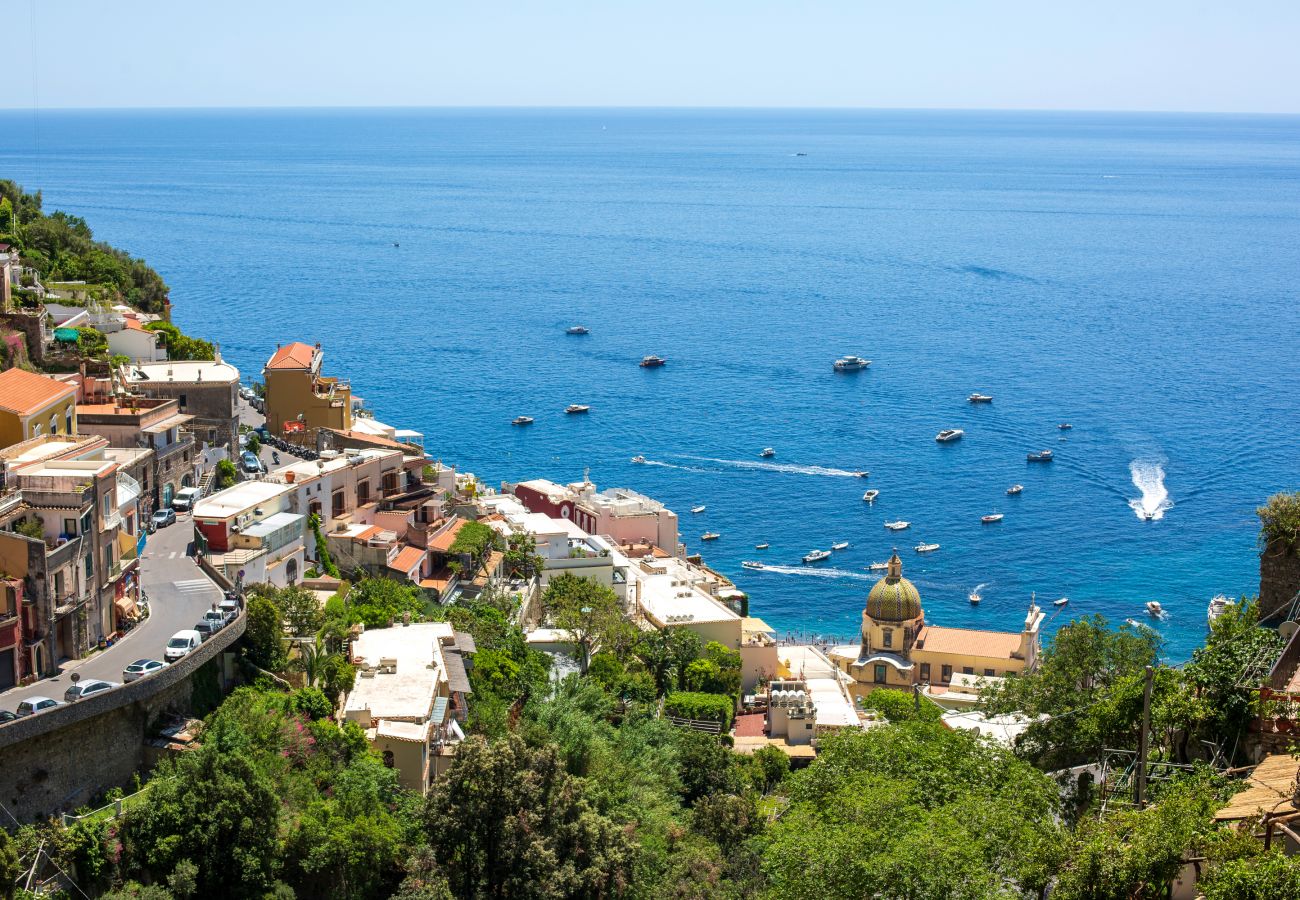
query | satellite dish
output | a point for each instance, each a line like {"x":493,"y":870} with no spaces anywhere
{"x":1288,"y":628}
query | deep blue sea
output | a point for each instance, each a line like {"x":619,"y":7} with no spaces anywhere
{"x":1137,"y":276}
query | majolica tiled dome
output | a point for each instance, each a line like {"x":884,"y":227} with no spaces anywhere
{"x":894,"y":598}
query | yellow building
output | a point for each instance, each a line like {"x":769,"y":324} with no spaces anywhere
{"x":299,"y":400}
{"x":899,"y":649}
{"x":33,"y":405}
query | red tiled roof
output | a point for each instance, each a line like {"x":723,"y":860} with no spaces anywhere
{"x":23,"y":392}
{"x":968,"y":641}
{"x":406,"y":560}
{"x":444,"y":541}
{"x":750,"y":725}
{"x":133,"y":324}
{"x":292,"y":356}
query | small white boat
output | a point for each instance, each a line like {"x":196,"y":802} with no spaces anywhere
{"x":991,"y":518}
{"x":1218,"y":606}
{"x":699,"y":509}
{"x":1134,"y":623}
{"x":974,"y":598}
{"x":1154,"y":608}
{"x":898,"y":526}
{"x":949,"y":434}
{"x":1148,"y":515}
{"x":638,"y":459}
{"x":710,"y":536}
{"x":816,"y":556}
{"x":1061,"y":602}
{"x":1040,"y":456}
{"x":1065,"y":426}
{"x":863,"y":474}
{"x":767,"y":453}
{"x":926,"y":548}
{"x":762,"y":546}
{"x":980,"y":398}
{"x":750,"y":564}
{"x":652,"y":362}
{"x":522,"y":420}
{"x":878,"y":567}
{"x":851,"y":364}
{"x":1015,"y":489}
{"x":576,"y":408}
{"x":577,"y":329}
{"x":841,"y":545}
{"x":871,"y":495}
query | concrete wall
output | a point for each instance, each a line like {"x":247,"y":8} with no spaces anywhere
{"x":59,"y":760}
{"x":1279,"y":579}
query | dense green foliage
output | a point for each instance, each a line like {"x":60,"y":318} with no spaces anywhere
{"x":700,"y":707}
{"x":475,"y":540}
{"x":377,"y":602}
{"x":226,"y":474}
{"x":323,"y":558}
{"x":1279,"y":521}
{"x":181,"y":346}
{"x":589,"y":612}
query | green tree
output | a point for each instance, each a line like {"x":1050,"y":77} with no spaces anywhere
{"x":705,"y":766}
{"x":521,"y":559}
{"x":1270,"y":875}
{"x":1279,"y":522}
{"x":301,"y":610}
{"x":716,"y":672}
{"x":900,"y":706}
{"x":10,"y":867}
{"x":769,"y":766}
{"x":226,"y":474}
{"x":379,"y":602}
{"x":322,"y":546}
{"x":583,"y":608}
{"x":91,"y":341}
{"x":179,"y":345}
{"x":475,"y":540}
{"x":264,"y":634}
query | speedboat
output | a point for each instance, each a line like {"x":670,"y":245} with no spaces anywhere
{"x":1154,"y":608}
{"x":762,"y":546}
{"x":522,"y":420}
{"x":851,"y":364}
{"x":638,"y":459}
{"x":710,"y":536}
{"x":576,"y":408}
{"x":991,"y":518}
{"x":1015,"y":489}
{"x":974,"y":598}
{"x":980,"y":398}
{"x":871,"y":495}
{"x":1218,"y":606}
{"x":1149,"y":515}
{"x":842,"y":545}
{"x":750,"y":564}
{"x":863,"y":474}
{"x":1065,"y":426}
{"x":926,"y":548}
{"x":1061,"y":602}
{"x":816,"y":556}
{"x":577,"y":329}
{"x":767,"y":453}
{"x":898,"y":526}
{"x":949,"y":434}
{"x":698,"y":509}
{"x":1040,"y":456}
{"x":1134,"y":623}
{"x":878,"y":567}
{"x":652,"y":362}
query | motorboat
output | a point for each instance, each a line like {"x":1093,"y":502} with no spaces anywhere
{"x":871,"y":495}
{"x":638,"y":459}
{"x":1154,"y":608}
{"x":878,"y":567}
{"x":974,"y":598}
{"x":710,"y":536}
{"x":863,"y":474}
{"x":926,"y":548}
{"x":1040,"y":456}
{"x":1149,"y":515}
{"x":750,"y":564}
{"x":991,"y":518}
{"x":1218,"y":606}
{"x":980,"y":398}
{"x":898,"y":526}
{"x":698,"y":509}
{"x":652,"y":362}
{"x":816,"y":556}
{"x":1015,"y":489}
{"x":576,"y":408}
{"x":1134,"y":623}
{"x":1061,"y":602}
{"x":949,"y":434}
{"x":767,"y":453}
{"x":762,"y":546}
{"x":577,"y":329}
{"x":1065,"y":426}
{"x":522,"y":420}
{"x":851,"y":364}
{"x":841,"y":545}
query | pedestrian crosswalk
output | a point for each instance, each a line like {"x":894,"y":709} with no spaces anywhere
{"x":193,"y":586}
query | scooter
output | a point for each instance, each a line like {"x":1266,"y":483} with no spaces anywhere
{"x":275,"y":458}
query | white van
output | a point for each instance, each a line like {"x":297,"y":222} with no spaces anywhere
{"x":185,"y":499}
{"x":182,"y":642}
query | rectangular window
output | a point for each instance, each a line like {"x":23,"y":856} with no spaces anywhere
{"x":363,"y":493}
{"x":85,"y":522}
{"x":889,"y":637}
{"x":58,"y":584}
{"x":925,"y":672}
{"x":69,"y":527}
{"x":967,"y":670}
{"x":989,"y":673}
{"x":181,"y":399}
{"x":880,"y":673}
{"x":338,"y":504}
{"x":946,"y":674}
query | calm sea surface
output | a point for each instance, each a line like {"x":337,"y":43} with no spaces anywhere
{"x":1135,"y":275}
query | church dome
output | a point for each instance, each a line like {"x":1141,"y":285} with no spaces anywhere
{"x":894,"y":598}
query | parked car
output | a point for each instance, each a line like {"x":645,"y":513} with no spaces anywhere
{"x":216,"y":617}
{"x":182,"y":642}
{"x":33,"y":705}
{"x":206,"y":628}
{"x":7,"y":715}
{"x":141,"y":668}
{"x":229,"y":608}
{"x":163,"y":517}
{"x":88,"y":688}
{"x":185,"y":499}
{"x":250,"y":463}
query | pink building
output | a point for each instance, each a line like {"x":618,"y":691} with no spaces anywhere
{"x":624,"y":516}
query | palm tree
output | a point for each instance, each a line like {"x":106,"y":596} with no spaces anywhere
{"x":315,"y":659}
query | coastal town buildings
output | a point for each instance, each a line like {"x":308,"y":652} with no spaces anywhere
{"x":622,"y":515}
{"x":9,"y":266}
{"x":207,"y":390}
{"x":299,"y":399}
{"x":157,"y":428}
{"x":32,"y":405}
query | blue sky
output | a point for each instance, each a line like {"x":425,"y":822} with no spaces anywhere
{"x":983,"y":54}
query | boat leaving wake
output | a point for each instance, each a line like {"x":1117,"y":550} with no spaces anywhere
{"x":1149,"y":478}
{"x":668,"y":465}
{"x":788,"y":468}
{"x":816,"y":573}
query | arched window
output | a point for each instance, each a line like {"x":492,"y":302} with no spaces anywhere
{"x":54,"y":424}
{"x":36,"y":430}
{"x":291,"y":570}
{"x":67,"y":421}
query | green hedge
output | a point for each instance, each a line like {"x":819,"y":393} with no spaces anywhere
{"x":701,"y":707}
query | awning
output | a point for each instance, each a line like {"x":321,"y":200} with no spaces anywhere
{"x":67,"y":335}
{"x":465,"y":642}
{"x":168,"y":423}
{"x":457,"y":680}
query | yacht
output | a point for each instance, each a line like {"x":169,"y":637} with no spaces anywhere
{"x":949,"y":434}
{"x":841,"y":545}
{"x":762,"y":546}
{"x":652,"y":362}
{"x":577,"y":329}
{"x":926,"y":548}
{"x":638,"y":459}
{"x":1061,"y":602}
{"x":1040,"y":456}
{"x":878,"y":567}
{"x":750,"y":564}
{"x":871,"y":495}
{"x":710,"y":536}
{"x":1065,"y":426}
{"x":1015,"y":489}
{"x":980,"y":398}
{"x":522,"y":420}
{"x":1154,"y":608}
{"x":974,"y":598}
{"x":767,"y":453}
{"x":1218,"y":606}
{"x":698,"y":509}
{"x":898,"y":526}
{"x":575,"y":408}
{"x":991,"y":518}
{"x":816,"y":556}
{"x":851,"y":364}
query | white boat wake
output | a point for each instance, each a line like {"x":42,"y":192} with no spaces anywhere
{"x":1149,"y":478}
{"x":978,"y":590}
{"x":668,"y":465}
{"x":816,"y":573}
{"x":788,"y":468}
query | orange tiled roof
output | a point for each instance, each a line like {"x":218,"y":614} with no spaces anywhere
{"x":292,"y":356}
{"x":373,"y":439}
{"x":444,"y":541}
{"x":23,"y":392}
{"x":405,"y":560}
{"x":968,"y":641}
{"x":368,"y":533}
{"x":133,"y":325}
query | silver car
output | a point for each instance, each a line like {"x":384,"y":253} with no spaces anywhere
{"x":33,"y":705}
{"x":88,"y":688}
{"x":141,"y":668}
